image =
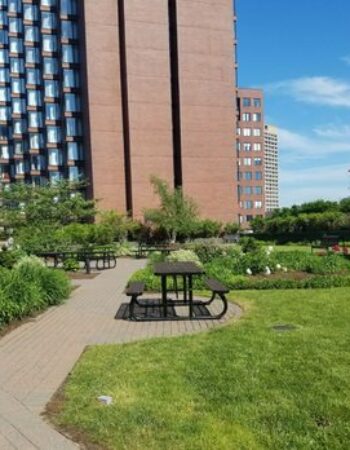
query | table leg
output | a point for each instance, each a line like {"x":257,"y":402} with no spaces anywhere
{"x":185,"y":288}
{"x":87,"y":265}
{"x":190,"y":295}
{"x":164,"y":296}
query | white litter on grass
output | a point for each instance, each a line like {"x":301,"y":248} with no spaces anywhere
{"x":105,"y":400}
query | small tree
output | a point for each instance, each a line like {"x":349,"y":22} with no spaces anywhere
{"x":56,"y":204}
{"x":177,"y":213}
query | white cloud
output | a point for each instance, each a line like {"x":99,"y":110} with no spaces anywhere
{"x":346,"y":60}
{"x":323,"y":142}
{"x":307,"y":184}
{"x":316,"y":90}
{"x":332,"y":131}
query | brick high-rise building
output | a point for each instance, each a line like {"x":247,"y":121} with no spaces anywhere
{"x":119,"y":90}
{"x":271,"y":168}
{"x":250,"y":155}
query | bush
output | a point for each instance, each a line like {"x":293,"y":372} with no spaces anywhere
{"x":184,"y":255}
{"x":232,"y":228}
{"x":249,"y":244}
{"x":208,"y":251}
{"x":28,"y":288}
{"x":206,"y":229}
{"x":8,"y":258}
{"x":71,"y":265}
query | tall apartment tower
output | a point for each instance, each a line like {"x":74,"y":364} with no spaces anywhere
{"x":271,"y":168}
{"x":120,"y":90}
{"x":40,"y":98}
{"x":250,"y":155}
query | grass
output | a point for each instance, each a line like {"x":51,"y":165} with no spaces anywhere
{"x":242,"y":386}
{"x":292,"y":248}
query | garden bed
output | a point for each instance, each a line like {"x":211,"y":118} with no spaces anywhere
{"x":268,"y":269}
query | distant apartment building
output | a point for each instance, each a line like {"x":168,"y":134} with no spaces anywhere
{"x":271,"y":169}
{"x":119,"y":90}
{"x":250,"y":155}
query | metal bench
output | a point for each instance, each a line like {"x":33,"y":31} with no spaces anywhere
{"x":134,"y":290}
{"x":218,"y":290}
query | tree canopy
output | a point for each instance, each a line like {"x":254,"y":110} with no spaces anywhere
{"x":177,"y":213}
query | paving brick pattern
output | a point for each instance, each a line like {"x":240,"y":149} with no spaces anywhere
{"x":36,"y":358}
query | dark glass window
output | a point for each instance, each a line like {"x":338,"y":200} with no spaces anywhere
{"x":34,"y":97}
{"x":32,"y":55}
{"x":18,"y":85}
{"x":68,"y":7}
{"x":51,"y":88}
{"x":72,"y":103}
{"x":69,"y":29}
{"x":50,"y":66}
{"x":52,"y":111}
{"x":70,"y":78}
{"x":4,"y":75}
{"x":30,"y":12}
{"x":15,"y":25}
{"x":48,"y":21}
{"x":14,"y":5}
{"x":33,"y":76}
{"x":70,"y":54}
{"x":4,"y":56}
{"x":49,"y":43}
{"x":18,"y":105}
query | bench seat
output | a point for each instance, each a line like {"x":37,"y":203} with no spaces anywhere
{"x":216,"y":286}
{"x":136,"y":288}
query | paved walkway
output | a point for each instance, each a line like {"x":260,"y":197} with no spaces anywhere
{"x":36,"y":358}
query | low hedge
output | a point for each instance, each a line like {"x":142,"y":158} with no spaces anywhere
{"x":29,"y":288}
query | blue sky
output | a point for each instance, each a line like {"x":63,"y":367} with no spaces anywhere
{"x":299,"y":52}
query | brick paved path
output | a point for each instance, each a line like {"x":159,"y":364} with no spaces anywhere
{"x":36,"y":358}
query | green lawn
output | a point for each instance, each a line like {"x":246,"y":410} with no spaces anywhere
{"x":243,"y":386}
{"x":292,"y":248}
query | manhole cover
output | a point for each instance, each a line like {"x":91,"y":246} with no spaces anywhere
{"x":284,"y":327}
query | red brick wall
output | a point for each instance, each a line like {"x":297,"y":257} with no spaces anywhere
{"x":207,"y":88}
{"x":104,"y":98}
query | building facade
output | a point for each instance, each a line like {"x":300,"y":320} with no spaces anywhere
{"x":250,"y":155}
{"x":159,"y":78}
{"x":40,"y":103}
{"x":271,"y":168}
{"x":117,"y":91}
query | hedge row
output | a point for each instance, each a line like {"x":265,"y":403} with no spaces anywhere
{"x":30,"y":288}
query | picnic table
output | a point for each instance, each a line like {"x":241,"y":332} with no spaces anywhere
{"x":143,"y":249}
{"x":327,"y":242}
{"x":187,"y":271}
{"x":105,"y":259}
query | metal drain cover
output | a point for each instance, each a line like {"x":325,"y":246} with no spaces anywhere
{"x":284,"y":327}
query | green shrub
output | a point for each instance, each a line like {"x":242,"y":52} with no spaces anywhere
{"x":71,"y":265}
{"x":8,"y":258}
{"x":231,"y":228}
{"x":28,"y":288}
{"x":208,"y":251}
{"x":206,"y":228}
{"x":184,"y":255}
{"x":249,"y":244}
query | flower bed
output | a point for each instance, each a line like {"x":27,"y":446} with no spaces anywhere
{"x":262,"y":268}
